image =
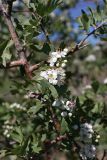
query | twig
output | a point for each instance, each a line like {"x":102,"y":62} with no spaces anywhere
{"x":91,"y":33}
{"x":55,"y":120}
{"x":104,"y":154}
{"x":81,"y":44}
{"x":36,"y":66}
{"x":45,"y":32}
{"x":58,"y":139}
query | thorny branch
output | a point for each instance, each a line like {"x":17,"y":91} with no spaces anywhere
{"x":20,"y":49}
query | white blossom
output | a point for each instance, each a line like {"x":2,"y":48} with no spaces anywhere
{"x":96,"y":140}
{"x":56,"y":103}
{"x":7,"y":129}
{"x":70,"y":114}
{"x":54,"y":76}
{"x":98,"y":136}
{"x":88,"y":151}
{"x":66,"y":50}
{"x":56,"y":56}
{"x":63,"y":53}
{"x":69,"y":105}
{"x":65,"y":61}
{"x":91,"y":58}
{"x":88,"y":86}
{"x":17,"y":106}
{"x":44,"y":74}
{"x":63,"y":65}
{"x":105,"y":81}
{"x":86,"y":131}
{"x":5,"y":132}
{"x":63,"y":114}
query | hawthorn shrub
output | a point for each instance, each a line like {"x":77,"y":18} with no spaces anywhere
{"x":52,"y":90}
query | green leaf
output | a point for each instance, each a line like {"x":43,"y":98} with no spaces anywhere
{"x":36,"y":148}
{"x":92,"y":15}
{"x":6,"y":55}
{"x":85,"y":20}
{"x":95,"y":86}
{"x":44,"y":84}
{"x":35,"y":144}
{"x":3,"y":46}
{"x":53,"y":91}
{"x":44,"y":8}
{"x":17,"y":135}
{"x":97,"y":108}
{"x":64,"y":126}
{"x":46,"y":48}
{"x":36,"y":108}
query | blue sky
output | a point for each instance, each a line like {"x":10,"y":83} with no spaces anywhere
{"x":74,"y":13}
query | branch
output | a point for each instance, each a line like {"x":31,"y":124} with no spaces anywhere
{"x":92,"y":32}
{"x":36,"y":66}
{"x":20,"y":50}
{"x":81,"y":44}
{"x":104,"y":155}
{"x":13,"y":64}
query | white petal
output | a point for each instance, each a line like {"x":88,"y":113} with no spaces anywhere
{"x":65,"y":49}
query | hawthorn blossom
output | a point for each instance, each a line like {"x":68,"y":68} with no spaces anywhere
{"x":17,"y":106}
{"x":86,"y":131}
{"x":65,"y":105}
{"x":105,"y":81}
{"x":57,"y":103}
{"x":90,"y":58}
{"x":54,"y":76}
{"x":63,"y":114}
{"x":88,"y":86}
{"x":7,"y":129}
{"x":69,"y":105}
{"x":88,"y":151}
{"x":56,"y":56}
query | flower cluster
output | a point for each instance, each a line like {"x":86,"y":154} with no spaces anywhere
{"x":90,"y":58}
{"x":86,"y":131}
{"x":54,"y":76}
{"x":7,"y":129}
{"x":66,"y":105}
{"x":88,"y":150}
{"x":17,"y":106}
{"x":58,"y":58}
{"x":56,"y":73}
